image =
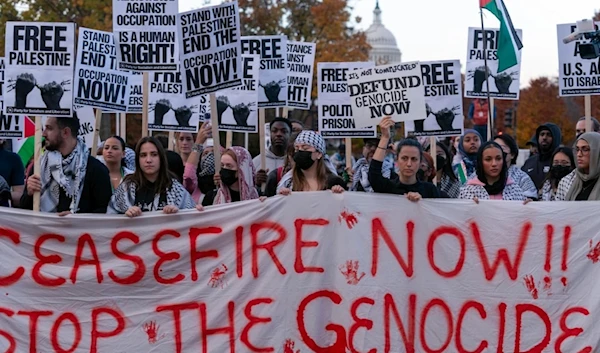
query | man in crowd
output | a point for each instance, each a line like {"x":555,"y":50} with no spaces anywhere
{"x":13,"y":173}
{"x":71,"y":179}
{"x":537,"y":166}
{"x":281,"y":130}
{"x":533,"y":146}
{"x":580,"y":127}
{"x":339,"y":159}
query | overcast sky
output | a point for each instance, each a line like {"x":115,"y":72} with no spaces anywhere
{"x":438,"y":29}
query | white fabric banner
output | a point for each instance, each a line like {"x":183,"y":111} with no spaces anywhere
{"x":310,"y":272}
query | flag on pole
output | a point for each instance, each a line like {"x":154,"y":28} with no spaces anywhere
{"x":509,"y":42}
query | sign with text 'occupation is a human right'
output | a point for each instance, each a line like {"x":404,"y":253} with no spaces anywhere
{"x":209,"y":41}
{"x":40,"y":57}
{"x":443,"y":97}
{"x":170,"y":110}
{"x":99,"y":83}
{"x":395,"y":90}
{"x":300,"y":63}
{"x":576,"y":76}
{"x":145,"y":34}
{"x":502,"y":85}
{"x":336,"y":119}
{"x":272,"y":90}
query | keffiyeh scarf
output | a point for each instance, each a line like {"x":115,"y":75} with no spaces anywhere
{"x":246,"y":175}
{"x":66,"y":173}
{"x":361,"y":176}
{"x":124,"y":198}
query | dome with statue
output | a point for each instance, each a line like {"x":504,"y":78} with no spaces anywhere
{"x":384,"y":49}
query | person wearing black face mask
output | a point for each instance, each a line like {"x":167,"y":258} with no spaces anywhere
{"x":237,"y":178}
{"x":563,"y":163}
{"x":447,"y":182}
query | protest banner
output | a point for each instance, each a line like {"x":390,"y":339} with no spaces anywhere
{"x":237,"y":107}
{"x":395,"y":90}
{"x":99,"y":83}
{"x":300,"y":66}
{"x":170,"y":110}
{"x":350,"y":274}
{"x":2,"y":68}
{"x":335,"y":111}
{"x":209,"y":39}
{"x":11,"y":126}
{"x":87,"y":124}
{"x":204,"y":108}
{"x":503,"y":85}
{"x":443,"y":98}
{"x":576,"y":76}
{"x":136,"y":93}
{"x":273,"y":68}
{"x":145,"y":33}
{"x":40,"y":59}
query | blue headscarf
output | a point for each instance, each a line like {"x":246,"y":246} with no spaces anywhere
{"x":470,"y":159}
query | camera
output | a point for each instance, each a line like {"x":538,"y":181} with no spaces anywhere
{"x":586,"y":29}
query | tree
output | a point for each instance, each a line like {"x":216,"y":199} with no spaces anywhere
{"x":95,"y":14}
{"x":8,"y":12}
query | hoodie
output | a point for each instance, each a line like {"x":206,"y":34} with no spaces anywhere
{"x":538,"y":166}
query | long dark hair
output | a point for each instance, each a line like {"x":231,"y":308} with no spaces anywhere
{"x":569,"y":153}
{"x":512,"y":145}
{"x":299,"y":181}
{"x":447,"y":169}
{"x":164,"y":181}
{"x":480,"y":171}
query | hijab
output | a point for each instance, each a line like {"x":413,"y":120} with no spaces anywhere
{"x":593,"y":139}
{"x":470,"y":159}
{"x":246,"y":174}
{"x":497,"y":187}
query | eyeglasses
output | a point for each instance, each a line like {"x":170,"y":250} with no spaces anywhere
{"x":583,"y":150}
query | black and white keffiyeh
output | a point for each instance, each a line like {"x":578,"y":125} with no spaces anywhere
{"x":66,"y":173}
{"x":124,"y":197}
{"x":312,"y":138}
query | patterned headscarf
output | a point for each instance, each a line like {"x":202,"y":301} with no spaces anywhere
{"x":246,"y":174}
{"x":207,"y":164}
{"x":129,"y":158}
{"x":313,"y":139}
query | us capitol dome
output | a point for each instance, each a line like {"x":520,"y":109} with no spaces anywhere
{"x":384,"y":49}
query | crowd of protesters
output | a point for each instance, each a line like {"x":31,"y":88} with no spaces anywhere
{"x":121,"y":180}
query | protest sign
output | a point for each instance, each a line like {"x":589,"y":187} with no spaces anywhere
{"x":237,"y":107}
{"x":2,"y":67}
{"x":204,"y":108}
{"x":335,"y":111}
{"x":169,"y":109}
{"x":300,"y":65}
{"x":40,"y":59}
{"x":87,"y":122}
{"x":136,"y":92}
{"x":272,"y":90}
{"x":99,"y":83}
{"x":393,"y":90}
{"x":145,"y":33}
{"x":443,"y":97}
{"x":503,"y":85}
{"x":209,"y":39}
{"x":576,"y":76}
{"x":349,"y":274}
{"x":11,"y":126}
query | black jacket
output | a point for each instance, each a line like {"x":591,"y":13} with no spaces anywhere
{"x":393,"y":185}
{"x":95,"y":195}
{"x":538,"y":166}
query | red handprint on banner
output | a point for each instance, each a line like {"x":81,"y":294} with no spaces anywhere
{"x":288,"y":347}
{"x":151,"y":329}
{"x":594,"y":253}
{"x":350,"y":271}
{"x":217,"y":277}
{"x":530,"y":285}
{"x":349,"y":217}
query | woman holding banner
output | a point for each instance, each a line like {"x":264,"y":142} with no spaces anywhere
{"x":310,"y":172}
{"x":237,"y":179}
{"x":151,"y":187}
{"x":585,"y":185}
{"x":410,"y":156}
{"x":491,"y":181}
{"x":113,"y":154}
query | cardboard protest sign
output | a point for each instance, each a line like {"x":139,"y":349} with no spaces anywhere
{"x":443,"y":97}
{"x":336,"y":119}
{"x":393,"y":90}
{"x":300,"y":64}
{"x":576,"y":76}
{"x":11,"y":126}
{"x":169,"y":109}
{"x":136,"y":92}
{"x":209,"y":39}
{"x":99,"y":83}
{"x":87,"y":123}
{"x":503,"y":85}
{"x":145,"y":32}
{"x":272,"y":90}
{"x":2,"y":69}
{"x":442,"y":275}
{"x":237,"y":107}
{"x":40,"y":59}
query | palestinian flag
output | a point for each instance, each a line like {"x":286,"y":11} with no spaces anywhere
{"x":25,"y":147}
{"x":509,"y":42}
